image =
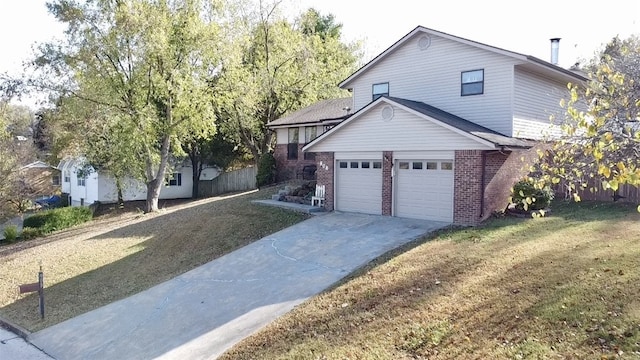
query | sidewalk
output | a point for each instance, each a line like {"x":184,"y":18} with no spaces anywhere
{"x":14,"y":347}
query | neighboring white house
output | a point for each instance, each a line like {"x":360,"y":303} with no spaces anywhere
{"x":437,"y":129}
{"x":100,"y":186}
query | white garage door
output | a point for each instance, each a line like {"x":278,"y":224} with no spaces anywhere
{"x":359,"y":186}
{"x":424,"y":189}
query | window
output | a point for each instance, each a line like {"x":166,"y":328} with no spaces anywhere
{"x":379,"y":90}
{"x":432,"y":165}
{"x":472,"y":82}
{"x":354,"y":165}
{"x":82,"y":180}
{"x":55,"y":180}
{"x":343,"y":164}
{"x":292,"y":147}
{"x":404,"y":165}
{"x":310,"y":133}
{"x":365,"y":165}
{"x":377,"y":165}
{"x":417,"y":165}
{"x":446,"y":165}
{"x":174,"y":179}
{"x":67,"y":176}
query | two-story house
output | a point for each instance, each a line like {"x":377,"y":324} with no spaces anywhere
{"x":439,"y":129}
{"x":301,"y":127}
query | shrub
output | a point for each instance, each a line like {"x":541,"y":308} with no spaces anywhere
{"x":526,"y":196}
{"x":30,"y":233}
{"x":10,"y":233}
{"x":58,"y":219}
{"x":266,"y":170}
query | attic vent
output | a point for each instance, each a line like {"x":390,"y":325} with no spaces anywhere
{"x":387,"y":113}
{"x":424,"y":42}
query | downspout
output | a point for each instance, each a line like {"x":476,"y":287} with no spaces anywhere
{"x":482,"y":180}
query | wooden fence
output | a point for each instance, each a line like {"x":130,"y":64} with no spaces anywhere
{"x":237,"y":180}
{"x":625,"y":193}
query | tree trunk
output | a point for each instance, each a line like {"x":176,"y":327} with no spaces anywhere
{"x":153,"y":193}
{"x":196,"y":167}
{"x":120,"y":197}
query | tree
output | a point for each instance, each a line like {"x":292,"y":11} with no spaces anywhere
{"x":135,"y":75}
{"x":601,"y":141}
{"x":276,"y":68}
{"x":217,"y":151}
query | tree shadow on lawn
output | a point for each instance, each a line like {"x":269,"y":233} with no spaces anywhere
{"x":474,"y":299}
{"x":171,"y":243}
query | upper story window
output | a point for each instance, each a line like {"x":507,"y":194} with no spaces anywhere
{"x":379,"y":90}
{"x":292,"y":146}
{"x":310,"y":133}
{"x":472,"y":82}
{"x":67,"y":176}
{"x":82,"y":180}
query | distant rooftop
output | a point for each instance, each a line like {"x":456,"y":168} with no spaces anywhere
{"x":323,"y":111}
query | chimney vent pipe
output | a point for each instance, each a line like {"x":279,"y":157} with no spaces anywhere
{"x":555,"y":48}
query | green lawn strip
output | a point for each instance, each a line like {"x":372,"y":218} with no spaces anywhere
{"x":86,"y":268}
{"x":564,"y":286}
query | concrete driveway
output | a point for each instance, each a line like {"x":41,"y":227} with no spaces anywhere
{"x":202,"y":313}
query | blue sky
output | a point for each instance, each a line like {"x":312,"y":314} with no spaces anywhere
{"x":526,"y":27}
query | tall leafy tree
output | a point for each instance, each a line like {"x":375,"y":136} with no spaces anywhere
{"x":134,"y":79}
{"x":601,"y":142}
{"x":278,"y":67}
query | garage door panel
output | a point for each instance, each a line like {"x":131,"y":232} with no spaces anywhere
{"x":359,"y":189}
{"x":424,"y":189}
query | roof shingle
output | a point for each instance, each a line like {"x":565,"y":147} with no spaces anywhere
{"x":322,"y":111}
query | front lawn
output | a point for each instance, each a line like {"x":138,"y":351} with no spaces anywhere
{"x":562,"y":287}
{"x":116,"y":256}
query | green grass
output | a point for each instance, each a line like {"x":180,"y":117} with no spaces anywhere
{"x":116,"y":256}
{"x":565,"y":286}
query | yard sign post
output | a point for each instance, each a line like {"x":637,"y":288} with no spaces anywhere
{"x":39,"y":287}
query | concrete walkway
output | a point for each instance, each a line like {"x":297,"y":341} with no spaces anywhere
{"x":202,"y":313}
{"x":14,"y":347}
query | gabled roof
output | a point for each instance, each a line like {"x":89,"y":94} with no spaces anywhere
{"x":423,"y":30}
{"x":462,"y":124}
{"x":455,"y":123}
{"x":331,"y":110}
{"x":37,"y":164}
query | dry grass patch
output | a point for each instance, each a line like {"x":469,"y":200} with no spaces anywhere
{"x":565,"y":286}
{"x":121,"y":254}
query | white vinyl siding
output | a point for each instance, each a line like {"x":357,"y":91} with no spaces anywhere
{"x":404,"y":132}
{"x":536,"y":99}
{"x":432,"y":76}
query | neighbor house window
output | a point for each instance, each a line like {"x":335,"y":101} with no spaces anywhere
{"x":379,"y":90}
{"x":292,"y":147}
{"x":67,"y":176}
{"x":174,"y":180}
{"x":472,"y":82}
{"x":82,"y":180}
{"x":55,"y":180}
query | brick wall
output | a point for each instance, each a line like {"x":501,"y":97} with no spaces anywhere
{"x":324,"y":177}
{"x":289,"y":169}
{"x":467,"y":184}
{"x":387,"y":182}
{"x":502,"y":171}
